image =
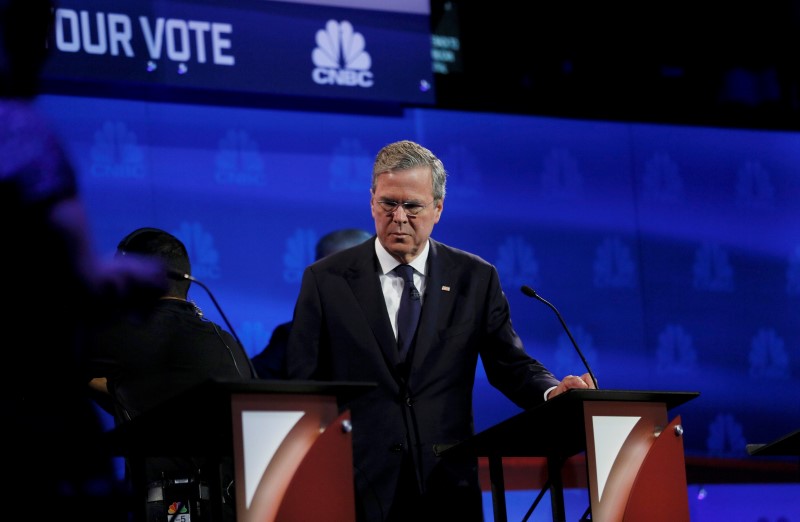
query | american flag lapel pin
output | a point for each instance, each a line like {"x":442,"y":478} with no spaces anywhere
{"x":445,"y":288}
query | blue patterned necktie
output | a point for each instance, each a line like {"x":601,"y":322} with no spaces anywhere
{"x":408,"y":314}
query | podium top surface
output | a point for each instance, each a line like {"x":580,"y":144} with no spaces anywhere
{"x":670,"y":398}
{"x":788,"y":445}
{"x":198,"y":420}
{"x":555,"y":428}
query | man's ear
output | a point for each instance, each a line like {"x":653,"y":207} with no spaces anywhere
{"x":437,"y":209}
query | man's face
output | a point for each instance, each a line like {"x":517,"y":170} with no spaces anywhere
{"x":402,"y":233}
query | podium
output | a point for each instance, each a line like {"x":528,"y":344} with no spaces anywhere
{"x":786,"y":446}
{"x":286,"y":439}
{"x":634,"y":455}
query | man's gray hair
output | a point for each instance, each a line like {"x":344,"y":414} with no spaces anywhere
{"x":404,"y":155}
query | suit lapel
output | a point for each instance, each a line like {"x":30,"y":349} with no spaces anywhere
{"x":364,"y":281}
{"x":438,"y":299}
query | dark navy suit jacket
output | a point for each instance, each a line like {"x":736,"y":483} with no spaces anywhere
{"x":342,"y":332}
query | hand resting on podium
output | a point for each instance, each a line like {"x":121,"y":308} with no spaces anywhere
{"x":570,"y":382}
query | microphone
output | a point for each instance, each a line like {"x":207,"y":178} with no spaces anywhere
{"x":530,"y":292}
{"x":176,"y":274}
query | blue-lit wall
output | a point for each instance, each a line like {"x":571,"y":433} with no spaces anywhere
{"x":672,"y":252}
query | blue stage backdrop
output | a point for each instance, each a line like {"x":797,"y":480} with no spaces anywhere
{"x":672,"y":252}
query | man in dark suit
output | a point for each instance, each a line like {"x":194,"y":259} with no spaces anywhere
{"x":345,"y":329}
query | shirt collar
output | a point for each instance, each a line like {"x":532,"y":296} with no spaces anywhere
{"x":388,"y":263}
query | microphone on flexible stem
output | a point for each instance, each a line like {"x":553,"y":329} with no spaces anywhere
{"x":530,"y":292}
{"x":175,"y":274}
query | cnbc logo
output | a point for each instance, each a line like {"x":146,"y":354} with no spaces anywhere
{"x":339,"y":57}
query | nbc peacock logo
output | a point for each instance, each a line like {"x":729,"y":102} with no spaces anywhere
{"x":340,"y":57}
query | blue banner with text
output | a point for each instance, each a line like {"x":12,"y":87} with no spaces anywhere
{"x":254,"y":47}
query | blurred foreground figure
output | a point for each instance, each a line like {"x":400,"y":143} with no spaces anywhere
{"x":54,"y":465}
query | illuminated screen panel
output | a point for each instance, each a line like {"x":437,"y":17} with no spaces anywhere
{"x":326,"y":50}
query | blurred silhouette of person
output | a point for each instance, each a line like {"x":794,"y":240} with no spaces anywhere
{"x":270,"y":363}
{"x":55,"y":466}
{"x":139,"y":363}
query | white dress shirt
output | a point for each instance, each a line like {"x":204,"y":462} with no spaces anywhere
{"x":392,"y":284}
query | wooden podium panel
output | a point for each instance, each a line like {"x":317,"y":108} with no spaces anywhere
{"x":659,"y":492}
{"x":635,"y":463}
{"x":626,"y":440}
{"x":286,"y":446}
{"x":321,"y":473}
{"x":788,"y":445}
{"x":286,"y":438}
